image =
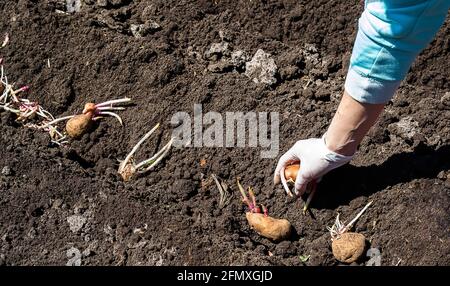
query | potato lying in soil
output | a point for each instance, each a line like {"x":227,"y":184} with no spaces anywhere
{"x":78,"y":125}
{"x":348,"y":247}
{"x":269,"y":227}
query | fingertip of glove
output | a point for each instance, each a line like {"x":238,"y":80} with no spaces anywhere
{"x":276,"y":179}
{"x":300,"y":188}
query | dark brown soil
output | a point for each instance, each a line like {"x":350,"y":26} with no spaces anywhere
{"x":94,"y":57}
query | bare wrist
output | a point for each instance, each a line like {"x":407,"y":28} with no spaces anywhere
{"x":350,"y":124}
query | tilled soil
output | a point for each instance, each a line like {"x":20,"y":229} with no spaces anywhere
{"x":64,"y":205}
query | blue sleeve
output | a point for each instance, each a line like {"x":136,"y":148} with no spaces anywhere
{"x":391,"y":34}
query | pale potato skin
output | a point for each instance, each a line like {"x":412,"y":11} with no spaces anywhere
{"x":269,"y":227}
{"x":348,"y":247}
{"x":128,"y":172}
{"x":290,"y":172}
{"x":78,"y":125}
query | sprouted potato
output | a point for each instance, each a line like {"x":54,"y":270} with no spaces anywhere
{"x":347,"y":246}
{"x":127,"y":168}
{"x":260,"y":221}
{"x":80,"y":124}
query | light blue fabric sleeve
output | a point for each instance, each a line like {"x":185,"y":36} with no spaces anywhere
{"x":391,"y":34}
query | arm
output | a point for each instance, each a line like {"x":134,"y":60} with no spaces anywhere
{"x":390,"y":35}
{"x":350,"y":124}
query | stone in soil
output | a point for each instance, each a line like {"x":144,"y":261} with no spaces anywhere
{"x":6,"y":171}
{"x":262,"y":68}
{"x":76,"y":222}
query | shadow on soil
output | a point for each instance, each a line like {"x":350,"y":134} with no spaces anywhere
{"x":349,"y":182}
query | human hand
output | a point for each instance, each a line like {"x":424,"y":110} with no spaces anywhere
{"x":315,"y":161}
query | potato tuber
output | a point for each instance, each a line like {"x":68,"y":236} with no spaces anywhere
{"x":128,"y":172}
{"x":262,"y":223}
{"x":290,"y":172}
{"x":274,"y":229}
{"x":79,"y":124}
{"x":348,"y":247}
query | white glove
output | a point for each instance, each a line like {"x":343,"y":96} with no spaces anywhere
{"x":315,"y":161}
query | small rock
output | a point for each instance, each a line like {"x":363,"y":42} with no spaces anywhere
{"x":143,"y":30}
{"x":262,"y":68}
{"x":218,"y":50}
{"x":310,"y":48}
{"x":445,"y":99}
{"x":406,"y":128}
{"x":102,"y":195}
{"x":57,"y":204}
{"x":76,"y":222}
{"x":239,"y":58}
{"x":137,"y":30}
{"x":6,"y":171}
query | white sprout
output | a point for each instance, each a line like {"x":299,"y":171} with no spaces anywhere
{"x":155,"y":159}
{"x":26,"y":109}
{"x":339,"y":228}
{"x":284,"y":182}
{"x":5,"y":41}
{"x":106,"y":108}
{"x":147,"y":164}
